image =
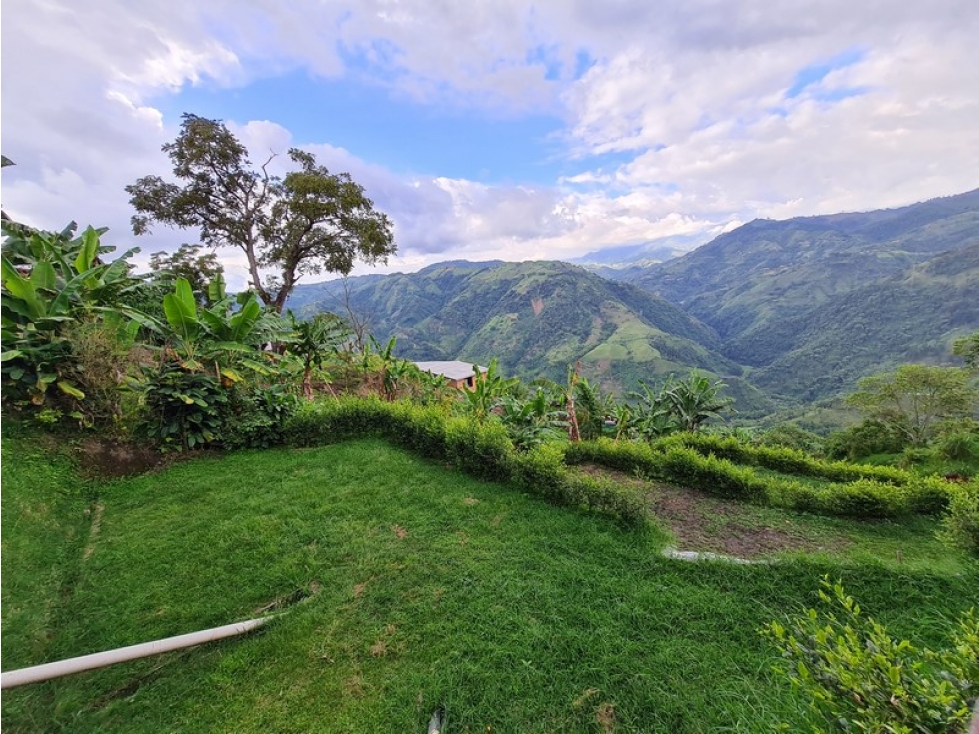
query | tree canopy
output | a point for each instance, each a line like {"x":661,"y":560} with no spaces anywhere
{"x":914,"y":398}
{"x":307,"y":222}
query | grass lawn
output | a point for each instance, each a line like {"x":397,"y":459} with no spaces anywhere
{"x":425,"y":587}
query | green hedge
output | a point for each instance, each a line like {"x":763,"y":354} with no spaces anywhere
{"x":680,"y":462}
{"x":784,"y":459}
{"x":481,"y":449}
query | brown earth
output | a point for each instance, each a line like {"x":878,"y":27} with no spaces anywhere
{"x":109,"y":458}
{"x":704,"y":523}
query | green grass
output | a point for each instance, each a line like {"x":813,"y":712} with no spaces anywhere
{"x":431,"y":587}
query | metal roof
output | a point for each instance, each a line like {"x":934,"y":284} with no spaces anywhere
{"x":454,"y":370}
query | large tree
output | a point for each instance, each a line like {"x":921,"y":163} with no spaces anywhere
{"x":914,"y":398}
{"x":308,"y":222}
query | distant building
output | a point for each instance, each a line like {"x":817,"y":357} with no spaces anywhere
{"x":459,"y":374}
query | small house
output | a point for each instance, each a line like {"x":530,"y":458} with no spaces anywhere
{"x":459,"y":374}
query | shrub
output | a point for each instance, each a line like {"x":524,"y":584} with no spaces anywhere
{"x":254,"y":416}
{"x":960,"y":524}
{"x":713,"y":475}
{"x":481,"y":449}
{"x":865,"y":439}
{"x":784,"y":460}
{"x":630,"y":457}
{"x":864,"y":498}
{"x":858,"y":678}
{"x":183,"y":410}
{"x":961,"y":446}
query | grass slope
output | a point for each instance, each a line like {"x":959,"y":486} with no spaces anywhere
{"x":427,"y":587}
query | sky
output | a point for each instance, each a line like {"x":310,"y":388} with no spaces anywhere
{"x":503,"y":129}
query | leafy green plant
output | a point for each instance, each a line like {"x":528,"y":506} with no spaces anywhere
{"x":254,"y":416}
{"x":51,"y":281}
{"x":313,"y":341}
{"x":960,"y":523}
{"x":694,"y":401}
{"x":486,"y":394}
{"x":531,"y":421}
{"x":652,"y":416}
{"x":858,"y":678}
{"x":183,"y":409}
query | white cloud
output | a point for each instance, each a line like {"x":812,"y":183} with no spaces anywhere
{"x":691,"y":96}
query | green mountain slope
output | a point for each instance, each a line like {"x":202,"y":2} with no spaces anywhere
{"x":536,"y":318}
{"x":766,"y":271}
{"x":912,"y":317}
{"x":816,"y":303}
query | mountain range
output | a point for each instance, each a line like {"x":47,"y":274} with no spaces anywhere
{"x":801,"y":308}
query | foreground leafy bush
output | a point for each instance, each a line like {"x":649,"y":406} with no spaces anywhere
{"x":254,"y":416}
{"x":960,"y":524}
{"x":858,"y":678}
{"x":183,"y":410}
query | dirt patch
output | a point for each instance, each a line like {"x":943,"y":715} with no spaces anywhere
{"x":704,"y":523}
{"x":108,"y":458}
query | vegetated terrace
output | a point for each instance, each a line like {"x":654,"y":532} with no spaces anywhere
{"x":422,"y":586}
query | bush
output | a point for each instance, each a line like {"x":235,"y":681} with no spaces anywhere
{"x":864,"y":498}
{"x":865,"y":439}
{"x":960,"y":524}
{"x":784,"y":460}
{"x":960,"y":446}
{"x":183,"y":410}
{"x":856,"y":491}
{"x":254,"y":416}
{"x":630,"y":457}
{"x":858,"y":678}
{"x":790,"y":436}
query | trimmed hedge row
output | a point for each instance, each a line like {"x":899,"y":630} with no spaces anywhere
{"x":679,"y":464}
{"x":784,"y":459}
{"x":481,"y":449}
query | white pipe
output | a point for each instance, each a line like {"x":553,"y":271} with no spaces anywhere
{"x":47,"y":671}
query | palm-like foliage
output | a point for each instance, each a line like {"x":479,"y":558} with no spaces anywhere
{"x":51,"y":281}
{"x":531,"y":421}
{"x":695,"y":401}
{"x":652,"y":414}
{"x":313,"y":341}
{"x":488,"y":392}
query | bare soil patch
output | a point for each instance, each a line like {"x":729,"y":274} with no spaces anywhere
{"x":109,"y":458}
{"x":704,"y":523}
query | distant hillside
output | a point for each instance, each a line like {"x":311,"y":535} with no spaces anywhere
{"x":537,"y":318}
{"x":852,"y":293}
{"x":911,"y":317}
{"x":768,"y":269}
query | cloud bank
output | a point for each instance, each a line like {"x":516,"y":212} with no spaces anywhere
{"x":676,"y":117}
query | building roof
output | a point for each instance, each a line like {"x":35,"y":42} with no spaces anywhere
{"x":454,"y":370}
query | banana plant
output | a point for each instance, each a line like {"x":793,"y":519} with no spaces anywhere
{"x":199,"y":338}
{"x":652,"y":413}
{"x":49,"y":281}
{"x":534,"y":420}
{"x":695,"y":401}
{"x":313,"y":341}
{"x":488,"y":391}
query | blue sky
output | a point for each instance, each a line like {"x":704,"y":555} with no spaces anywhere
{"x":373,"y":123}
{"x":503,"y":128}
